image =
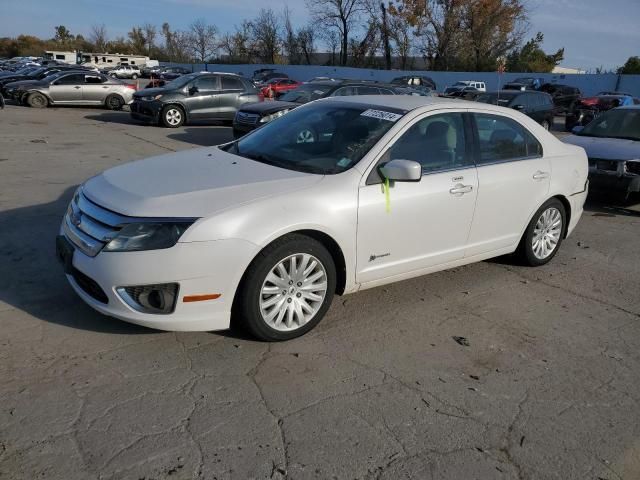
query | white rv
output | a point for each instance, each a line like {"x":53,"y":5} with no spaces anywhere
{"x":61,"y":56}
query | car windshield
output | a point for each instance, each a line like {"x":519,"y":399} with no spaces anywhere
{"x":181,"y":81}
{"x":621,"y":123}
{"x":306,"y":93}
{"x":322,"y":138}
{"x":494,"y":99}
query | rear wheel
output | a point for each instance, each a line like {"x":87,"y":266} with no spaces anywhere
{"x":544,"y":234}
{"x":287,"y":289}
{"x":37,"y":100}
{"x":114,"y":102}
{"x":172,"y":116}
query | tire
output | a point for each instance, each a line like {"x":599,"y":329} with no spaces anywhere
{"x":134,"y":77}
{"x":114,"y":102}
{"x":537,"y":249}
{"x":275,"y":310}
{"x":172,"y":116}
{"x":37,"y":100}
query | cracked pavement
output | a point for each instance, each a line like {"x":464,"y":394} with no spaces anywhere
{"x":547,"y":389}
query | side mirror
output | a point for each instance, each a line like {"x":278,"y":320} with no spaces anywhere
{"x":518,"y":107}
{"x":193,"y":90}
{"x":577,"y":129}
{"x":401,"y":171}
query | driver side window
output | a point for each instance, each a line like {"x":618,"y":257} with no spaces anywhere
{"x":206,"y":83}
{"x":437,"y":142}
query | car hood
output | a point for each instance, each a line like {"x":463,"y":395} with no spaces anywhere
{"x":266,"y":108}
{"x":26,"y":83}
{"x":151,"y":92}
{"x":193,"y":183}
{"x":606,"y":148}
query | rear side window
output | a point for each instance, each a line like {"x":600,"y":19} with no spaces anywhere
{"x":502,"y":139}
{"x":93,"y":79}
{"x":230,"y":83}
{"x":368,"y":91}
{"x":70,"y":80}
{"x":207,"y":83}
{"x":341,"y":92}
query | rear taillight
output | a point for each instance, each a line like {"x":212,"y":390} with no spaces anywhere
{"x":132,"y":87}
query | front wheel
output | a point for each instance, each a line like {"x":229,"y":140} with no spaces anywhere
{"x":114,"y":102}
{"x":37,"y":100}
{"x":172,"y":116}
{"x":544,"y":234}
{"x":287,"y":289}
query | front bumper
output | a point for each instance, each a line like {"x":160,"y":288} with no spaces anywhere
{"x":145,"y":111}
{"x":200,"y":268}
{"x":611,"y":176}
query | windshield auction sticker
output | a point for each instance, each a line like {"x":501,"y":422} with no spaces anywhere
{"x":381,"y":115}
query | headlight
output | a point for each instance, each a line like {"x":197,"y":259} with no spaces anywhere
{"x":136,"y":237}
{"x":150,"y":98}
{"x":273,"y":116}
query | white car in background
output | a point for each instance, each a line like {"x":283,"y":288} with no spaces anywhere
{"x":269,"y":227}
{"x":480,"y":86}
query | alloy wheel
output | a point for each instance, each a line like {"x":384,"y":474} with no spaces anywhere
{"x":173,"y":116}
{"x":546,"y":233}
{"x":293,"y":292}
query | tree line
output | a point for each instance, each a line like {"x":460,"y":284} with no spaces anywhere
{"x":448,"y":35}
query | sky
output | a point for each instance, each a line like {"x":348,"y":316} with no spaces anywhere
{"x":594,"y":33}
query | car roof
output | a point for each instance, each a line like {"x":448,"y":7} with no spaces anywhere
{"x":408,"y":102}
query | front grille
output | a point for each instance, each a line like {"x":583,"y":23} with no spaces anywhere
{"x":89,"y":226}
{"x":633,"y":167}
{"x":89,"y":286}
{"x":247,"y":118}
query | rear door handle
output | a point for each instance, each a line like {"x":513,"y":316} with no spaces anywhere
{"x":461,"y":189}
{"x":77,"y":88}
{"x":540,"y":175}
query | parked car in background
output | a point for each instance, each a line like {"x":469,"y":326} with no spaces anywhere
{"x":196,"y":96}
{"x":254,"y":115}
{"x":589,"y":108}
{"x":279,"y":86}
{"x":479,"y":86}
{"x":150,"y":71}
{"x":461,"y":91}
{"x":415,"y":80}
{"x":565,"y":97}
{"x":524,"y":83}
{"x":537,"y":105}
{"x":75,"y":88}
{"x":263,"y":78}
{"x":171,"y":73}
{"x":612,"y":143}
{"x":125,"y":71}
{"x":267,"y":229}
{"x":38,"y":74}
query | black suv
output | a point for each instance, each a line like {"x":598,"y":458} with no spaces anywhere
{"x":197,"y":96}
{"x":171,"y":73}
{"x":537,"y":105}
{"x":254,"y":115}
{"x":564,"y":97}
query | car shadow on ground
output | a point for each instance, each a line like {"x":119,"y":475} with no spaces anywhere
{"x":203,"y":136}
{"x":119,"y":116}
{"x":33,"y":280}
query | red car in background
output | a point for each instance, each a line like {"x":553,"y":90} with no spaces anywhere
{"x":277,"y":86}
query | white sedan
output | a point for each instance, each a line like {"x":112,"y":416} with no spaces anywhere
{"x":336,"y":196}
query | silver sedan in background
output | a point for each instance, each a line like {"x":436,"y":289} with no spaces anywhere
{"x":74,"y":88}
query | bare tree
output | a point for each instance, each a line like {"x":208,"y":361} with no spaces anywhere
{"x":203,"y":39}
{"x":332,"y":39}
{"x":338,"y":15}
{"x":177,"y":44}
{"x":306,"y":42}
{"x":265,"y":30}
{"x":289,"y":38}
{"x":237,"y":45}
{"x":138,"y":40}
{"x":98,"y":36}
{"x":150,"y":33}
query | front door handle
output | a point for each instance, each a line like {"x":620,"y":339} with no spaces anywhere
{"x":540,"y":175}
{"x":460,"y":189}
